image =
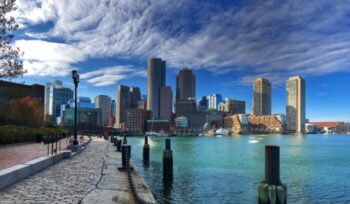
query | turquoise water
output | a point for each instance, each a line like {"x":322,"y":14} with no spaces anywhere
{"x":315,"y":168}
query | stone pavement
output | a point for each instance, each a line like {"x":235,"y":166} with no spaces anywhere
{"x":70,"y":180}
{"x":11,"y":155}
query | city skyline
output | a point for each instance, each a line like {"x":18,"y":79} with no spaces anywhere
{"x":315,"y":49}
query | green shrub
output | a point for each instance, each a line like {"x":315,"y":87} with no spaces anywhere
{"x":15,"y":134}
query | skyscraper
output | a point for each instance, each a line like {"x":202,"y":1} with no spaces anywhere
{"x":203,"y":104}
{"x":185,"y":85}
{"x":165,"y":109}
{"x":295,"y":105}
{"x":127,"y":97}
{"x":155,"y":80}
{"x":55,"y":96}
{"x":213,"y":101}
{"x":262,"y":97}
{"x":104,"y":103}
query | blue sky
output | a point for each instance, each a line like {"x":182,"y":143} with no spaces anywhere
{"x":226,"y":43}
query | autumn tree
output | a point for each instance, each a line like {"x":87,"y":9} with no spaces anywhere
{"x":25,"y":111}
{"x":10,"y":64}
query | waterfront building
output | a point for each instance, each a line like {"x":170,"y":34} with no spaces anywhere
{"x":11,"y":90}
{"x":157,"y":125}
{"x":310,"y":128}
{"x":195,"y":119}
{"x":185,"y":85}
{"x":127,"y":97}
{"x":203,"y":104}
{"x":326,"y":126}
{"x":262,"y":97}
{"x":342,"y":128}
{"x":135,"y":120}
{"x":55,"y":96}
{"x":181,"y":122}
{"x":105,"y":104}
{"x":237,"y":124}
{"x":166,"y":103}
{"x":232,"y":107}
{"x":213,"y":101}
{"x":155,"y":80}
{"x":87,"y":118}
{"x":184,"y":106}
{"x":295,"y":105}
{"x":82,"y":102}
{"x":267,"y":123}
{"x":215,"y":118}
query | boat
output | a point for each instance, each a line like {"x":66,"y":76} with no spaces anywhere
{"x":162,"y":133}
{"x":221,"y":132}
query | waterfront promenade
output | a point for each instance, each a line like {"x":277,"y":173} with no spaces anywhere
{"x":90,"y":177}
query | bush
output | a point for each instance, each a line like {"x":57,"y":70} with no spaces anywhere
{"x":14,"y":134}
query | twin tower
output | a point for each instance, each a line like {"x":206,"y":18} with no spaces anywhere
{"x":295,"y":101}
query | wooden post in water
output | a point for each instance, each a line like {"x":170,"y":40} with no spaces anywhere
{"x":125,"y":141}
{"x":146,"y":150}
{"x":271,"y":190}
{"x":167,"y":161}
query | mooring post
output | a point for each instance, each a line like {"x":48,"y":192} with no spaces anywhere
{"x":126,"y":153}
{"x":271,"y":190}
{"x":119,"y":145}
{"x":125,"y":141}
{"x":167,"y":161}
{"x":146,"y":150}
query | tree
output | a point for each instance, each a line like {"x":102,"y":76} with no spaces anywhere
{"x":25,"y":111}
{"x":10,"y":65}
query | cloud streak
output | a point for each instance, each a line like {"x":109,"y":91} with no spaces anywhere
{"x":273,"y":38}
{"x":111,"y":75}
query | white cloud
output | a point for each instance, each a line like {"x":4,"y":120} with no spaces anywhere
{"x":111,"y":75}
{"x":44,"y":58}
{"x":269,"y":38}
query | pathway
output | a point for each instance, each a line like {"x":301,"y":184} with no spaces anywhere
{"x":11,"y":155}
{"x":68,"y":181}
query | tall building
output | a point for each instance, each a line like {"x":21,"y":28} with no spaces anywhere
{"x":203,"y":104}
{"x":155,"y":80}
{"x":55,"y":96}
{"x":165,"y":108}
{"x":185,"y":85}
{"x":295,"y":108}
{"x":135,"y":96}
{"x":262,"y":97}
{"x":113,"y":107}
{"x":127,"y":97}
{"x":104,"y":103}
{"x":213,"y":101}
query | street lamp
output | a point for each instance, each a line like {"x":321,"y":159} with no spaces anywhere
{"x":75,"y":77}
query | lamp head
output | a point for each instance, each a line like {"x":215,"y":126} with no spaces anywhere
{"x":74,"y":74}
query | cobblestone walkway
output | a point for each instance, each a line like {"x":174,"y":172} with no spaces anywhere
{"x":66,"y":182}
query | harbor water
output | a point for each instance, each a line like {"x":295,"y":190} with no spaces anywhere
{"x":228,"y":169}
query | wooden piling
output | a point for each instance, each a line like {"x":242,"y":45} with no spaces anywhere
{"x":271,"y":190}
{"x":125,"y":141}
{"x":126,"y":154}
{"x":146,"y":150}
{"x":167,"y":161}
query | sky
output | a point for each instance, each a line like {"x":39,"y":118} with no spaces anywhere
{"x":226,"y":43}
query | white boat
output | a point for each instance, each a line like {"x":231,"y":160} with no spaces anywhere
{"x":221,"y":132}
{"x":162,"y":133}
{"x":152,"y":133}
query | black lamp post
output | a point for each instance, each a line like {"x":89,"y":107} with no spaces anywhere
{"x":75,"y":77}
